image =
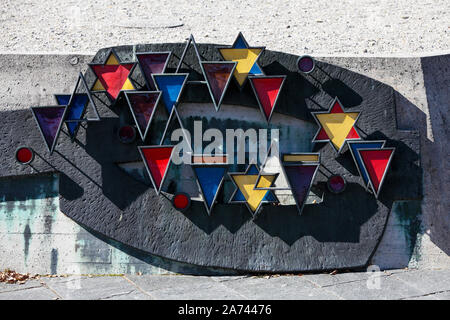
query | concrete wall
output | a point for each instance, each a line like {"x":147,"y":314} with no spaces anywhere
{"x":36,"y":237}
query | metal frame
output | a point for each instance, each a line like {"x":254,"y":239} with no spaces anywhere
{"x":50,"y":149}
{"x":24,"y":147}
{"x":336,"y":99}
{"x":173,"y":201}
{"x":353,"y":156}
{"x":217,"y":106}
{"x":257,"y":97}
{"x":328,"y":184}
{"x":385,"y":171}
{"x":158,"y":190}
{"x":240,"y":35}
{"x":215,"y":165}
{"x":143,"y":135}
{"x":306,"y":56}
{"x":113,"y":52}
{"x":142,"y":70}
{"x":292,"y":164}
{"x":186,"y":48}
{"x":231,"y":174}
{"x":260,"y":174}
{"x":78,"y":125}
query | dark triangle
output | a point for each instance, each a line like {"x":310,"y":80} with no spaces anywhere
{"x":49,"y":120}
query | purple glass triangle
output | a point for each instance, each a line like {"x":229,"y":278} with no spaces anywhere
{"x":300,"y":178}
{"x":143,"y":106}
{"x":49,"y":120}
{"x":152,"y":63}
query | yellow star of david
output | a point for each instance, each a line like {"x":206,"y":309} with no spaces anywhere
{"x":336,"y":126}
{"x":245,"y":57}
{"x":250,"y":188}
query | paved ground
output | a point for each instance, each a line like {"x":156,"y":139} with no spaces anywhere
{"x":319,"y":27}
{"x":394,"y":284}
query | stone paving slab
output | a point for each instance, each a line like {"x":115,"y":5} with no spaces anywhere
{"x":183,"y":287}
{"x":85,"y":288}
{"x":39,"y":293}
{"x":285,"y":287}
{"x":427,"y":281}
{"x":404,"y":284}
{"x":389,"y":288}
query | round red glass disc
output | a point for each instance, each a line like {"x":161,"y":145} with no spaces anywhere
{"x":305,"y":64}
{"x":24,"y":155}
{"x":181,"y":201}
{"x":336,"y":184}
{"x":127,"y":134}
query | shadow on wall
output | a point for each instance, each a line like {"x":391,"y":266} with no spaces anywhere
{"x":436,"y":152}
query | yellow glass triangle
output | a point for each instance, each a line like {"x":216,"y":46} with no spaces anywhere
{"x":128,"y":85}
{"x":246,"y":183}
{"x":337,"y":126}
{"x":112,"y":60}
{"x":98,"y":86}
{"x":245,"y":59}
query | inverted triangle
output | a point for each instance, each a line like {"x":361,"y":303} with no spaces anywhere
{"x":354,"y":146}
{"x":152,"y":62}
{"x":218,"y":76}
{"x":376,"y":163}
{"x":142,"y":106}
{"x":156,"y":160}
{"x":210,"y":180}
{"x":267,"y":90}
{"x":49,"y":120}
{"x":75,"y":110}
{"x":300,"y":178}
{"x":171,"y":86}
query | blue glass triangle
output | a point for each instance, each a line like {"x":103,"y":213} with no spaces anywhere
{"x":240,"y":43}
{"x":171,"y":86}
{"x":253,"y":169}
{"x":209,"y":178}
{"x":355,"y":146}
{"x":75,"y":110}
{"x":255,"y":70}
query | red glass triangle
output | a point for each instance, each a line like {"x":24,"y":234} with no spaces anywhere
{"x":218,"y":75}
{"x":267,"y":90}
{"x":337,"y":108}
{"x":112,"y":77}
{"x":376,"y":163}
{"x":353,"y":134}
{"x":49,"y":120}
{"x":143,"y":106}
{"x":157,"y":160}
{"x":322,"y":135}
{"x":152,"y":63}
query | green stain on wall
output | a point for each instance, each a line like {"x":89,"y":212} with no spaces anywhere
{"x":409,"y":217}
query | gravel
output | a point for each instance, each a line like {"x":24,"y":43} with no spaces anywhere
{"x":318,"y":27}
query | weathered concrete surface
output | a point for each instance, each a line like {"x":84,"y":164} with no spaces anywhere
{"x":397,"y":285}
{"x":405,"y":75}
{"x":320,"y":239}
{"x":346,"y":27}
